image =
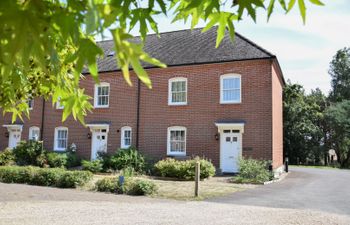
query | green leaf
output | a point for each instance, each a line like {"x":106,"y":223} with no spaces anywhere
{"x":270,"y":9}
{"x":317,"y":2}
{"x":302,"y":9}
{"x":291,"y":4}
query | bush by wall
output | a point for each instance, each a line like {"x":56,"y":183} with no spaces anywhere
{"x":92,"y":166}
{"x":56,"y":160}
{"x":252,"y":171}
{"x":184,"y":169}
{"x":30,"y":153}
{"x":54,"y":177}
{"x":128,"y":158}
{"x":131,"y":186}
{"x":7,"y":157}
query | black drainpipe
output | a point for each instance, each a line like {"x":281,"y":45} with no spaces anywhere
{"x":138,"y":112}
{"x":42,"y":120}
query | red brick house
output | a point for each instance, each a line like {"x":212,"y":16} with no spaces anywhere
{"x":218,"y":103}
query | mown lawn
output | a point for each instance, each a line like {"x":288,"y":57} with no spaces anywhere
{"x":184,"y":190}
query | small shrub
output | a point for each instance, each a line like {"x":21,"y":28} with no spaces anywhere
{"x":108,"y":185}
{"x":125,"y":158}
{"x":252,"y":171}
{"x":106,"y":160}
{"x":92,"y":166}
{"x":130,"y":186}
{"x":72,"y":159}
{"x":55,"y":177}
{"x":30,"y":153}
{"x":7,"y":157}
{"x":184,"y":169}
{"x":140,"y":187}
{"x":57,"y":160}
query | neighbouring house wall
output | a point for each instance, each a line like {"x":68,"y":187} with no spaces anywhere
{"x":34,"y":120}
{"x":277,"y":114}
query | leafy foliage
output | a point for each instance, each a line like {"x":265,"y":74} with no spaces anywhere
{"x":252,"y":171}
{"x":303,"y":124}
{"x":56,"y":160}
{"x":130,"y":187}
{"x":56,"y":177}
{"x":338,"y":118}
{"x":45,"y":45}
{"x":30,"y":153}
{"x":184,"y":169}
{"x":6,"y":157}
{"x":128,"y":158}
{"x":92,"y":166}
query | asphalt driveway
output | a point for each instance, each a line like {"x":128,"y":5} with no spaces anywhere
{"x":326,"y":190}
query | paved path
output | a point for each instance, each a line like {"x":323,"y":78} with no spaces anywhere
{"x":325,"y":190}
{"x":23,"y":204}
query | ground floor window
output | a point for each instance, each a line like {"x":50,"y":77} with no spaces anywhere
{"x":176,"y":140}
{"x":126,"y":137}
{"x":34,"y":133}
{"x":61,"y":138}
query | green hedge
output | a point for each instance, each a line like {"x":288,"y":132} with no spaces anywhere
{"x":55,"y":177}
{"x":184,"y":169}
{"x":92,"y":166}
{"x":130,"y":187}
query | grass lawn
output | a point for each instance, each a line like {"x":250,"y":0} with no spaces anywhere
{"x":184,"y":190}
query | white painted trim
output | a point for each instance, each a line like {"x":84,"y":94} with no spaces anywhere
{"x":176,"y":128}
{"x":122,"y":136}
{"x":13,"y":126}
{"x":31,"y":131}
{"x":231,"y":126}
{"x":56,"y":136}
{"x":230,"y":75}
{"x":98,"y":126}
{"x":58,"y":104}
{"x":102,"y":84}
{"x":32,"y":105}
{"x":176,"y":79}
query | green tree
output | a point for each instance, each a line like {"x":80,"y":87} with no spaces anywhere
{"x":340,"y":73}
{"x":45,"y":44}
{"x":338,"y":119}
{"x":302,"y":116}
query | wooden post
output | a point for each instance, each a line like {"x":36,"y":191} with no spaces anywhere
{"x":197,"y":178}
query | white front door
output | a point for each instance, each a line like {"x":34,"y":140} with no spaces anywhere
{"x":14,"y":137}
{"x":99,"y":142}
{"x":230,"y":152}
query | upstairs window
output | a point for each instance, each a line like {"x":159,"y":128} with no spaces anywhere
{"x":34,"y":133}
{"x":176,"y":141}
{"x":58,"y":104}
{"x":30,"y":104}
{"x":177,"y":91}
{"x":61,"y":138}
{"x":230,"y":88}
{"x":125,"y":137}
{"x":101,"y":98}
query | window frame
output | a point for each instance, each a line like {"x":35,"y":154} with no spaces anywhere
{"x":31,"y":106}
{"x":176,"y":128}
{"x":170,"y":99}
{"x":102,"y":84}
{"x":122,"y":136}
{"x":58,"y":104}
{"x":222,"y":78}
{"x":56,"y":148}
{"x":30,"y":137}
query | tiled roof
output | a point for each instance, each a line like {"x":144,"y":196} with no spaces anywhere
{"x":188,"y":47}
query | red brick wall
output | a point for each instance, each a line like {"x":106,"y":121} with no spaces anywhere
{"x":33,"y":120}
{"x":277,"y":122}
{"x":198,"y":116}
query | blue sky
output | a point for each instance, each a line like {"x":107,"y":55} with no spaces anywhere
{"x":304,"y":51}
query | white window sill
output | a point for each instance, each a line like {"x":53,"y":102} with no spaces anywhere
{"x":59,"y":150}
{"x":101,"y":106}
{"x":177,"y":103}
{"x":233,"y":102}
{"x":176,"y":154}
